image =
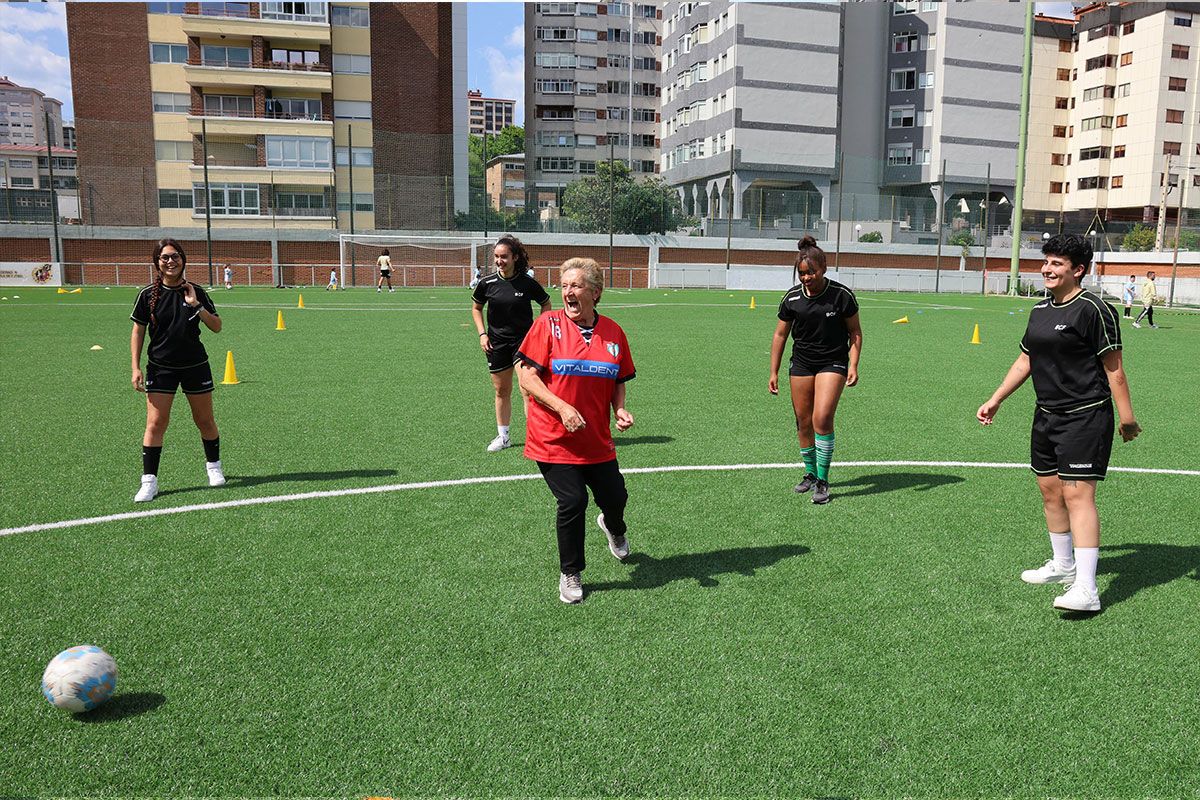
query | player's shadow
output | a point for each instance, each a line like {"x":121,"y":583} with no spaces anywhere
{"x":123,"y":706}
{"x":651,"y":573}
{"x":626,"y":441}
{"x":1143,"y":566}
{"x":893,"y":482}
{"x":243,"y":481}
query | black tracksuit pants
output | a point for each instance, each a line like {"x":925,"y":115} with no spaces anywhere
{"x":570,"y":483}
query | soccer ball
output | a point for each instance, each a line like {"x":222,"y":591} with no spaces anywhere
{"x":79,"y":678}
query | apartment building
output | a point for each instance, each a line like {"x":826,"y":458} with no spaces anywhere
{"x":1125,"y":105}
{"x":505,"y":180}
{"x":591,"y":89}
{"x":1050,"y":101}
{"x":271,"y":103}
{"x":489,"y":114}
{"x":23,"y":115}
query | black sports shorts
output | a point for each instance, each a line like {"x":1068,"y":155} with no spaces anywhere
{"x":501,"y":357}
{"x":165,"y":380}
{"x":1074,"y":446}
{"x":798,"y":370}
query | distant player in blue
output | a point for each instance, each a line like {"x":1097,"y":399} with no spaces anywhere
{"x":1072,"y":349}
{"x":1128,"y":295}
{"x":822,"y":317}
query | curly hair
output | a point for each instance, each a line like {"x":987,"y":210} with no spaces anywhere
{"x":157,"y":290}
{"x":1072,"y":247}
{"x":520,"y":257}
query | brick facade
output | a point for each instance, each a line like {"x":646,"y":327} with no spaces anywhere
{"x":110,"y":73}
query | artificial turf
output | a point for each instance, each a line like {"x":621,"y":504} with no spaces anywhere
{"x":411,"y":643}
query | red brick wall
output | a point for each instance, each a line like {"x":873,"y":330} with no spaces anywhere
{"x":110,"y":76}
{"x":25,"y":249}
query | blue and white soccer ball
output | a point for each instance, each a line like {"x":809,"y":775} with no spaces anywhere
{"x":80,"y":678}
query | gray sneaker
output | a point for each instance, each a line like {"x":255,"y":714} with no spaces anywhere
{"x":803,"y":486}
{"x":821,"y":492}
{"x":570,"y":587}
{"x":617,"y":545}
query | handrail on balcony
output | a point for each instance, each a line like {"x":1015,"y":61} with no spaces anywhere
{"x":296,"y":67}
{"x":239,"y":10}
{"x":318,"y":117}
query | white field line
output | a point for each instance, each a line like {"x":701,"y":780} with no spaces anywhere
{"x":402,"y":487}
{"x":443,"y":308}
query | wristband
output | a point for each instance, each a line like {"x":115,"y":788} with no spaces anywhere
{"x":483,"y":334}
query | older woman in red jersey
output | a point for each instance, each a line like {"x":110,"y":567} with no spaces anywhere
{"x":574,"y":364}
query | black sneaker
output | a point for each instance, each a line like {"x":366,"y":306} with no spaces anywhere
{"x":803,"y":486}
{"x":821,"y":493}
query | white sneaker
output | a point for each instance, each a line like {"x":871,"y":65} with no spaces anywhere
{"x":216,"y":476}
{"x":499,"y":443}
{"x":1078,"y":598}
{"x":391,"y":289}
{"x":617,"y":545}
{"x":148,"y":490}
{"x":377,"y":291}
{"x":1136,"y":325}
{"x":570,"y":587}
{"x":1050,"y":572}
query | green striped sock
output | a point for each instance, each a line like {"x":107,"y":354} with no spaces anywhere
{"x":824,"y":455}
{"x":809,"y":454}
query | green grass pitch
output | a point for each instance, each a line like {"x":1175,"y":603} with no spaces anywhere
{"x":411,"y":642}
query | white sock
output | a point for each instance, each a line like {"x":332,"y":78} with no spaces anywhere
{"x":502,"y":430}
{"x":1085,"y":566}
{"x":1061,"y":544}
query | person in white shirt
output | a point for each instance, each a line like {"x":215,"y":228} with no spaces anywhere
{"x":1128,"y":293}
{"x":228,"y":277}
{"x":385,"y":271}
{"x":333,"y":280}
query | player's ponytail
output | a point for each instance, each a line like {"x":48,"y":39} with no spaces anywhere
{"x":810,"y":255}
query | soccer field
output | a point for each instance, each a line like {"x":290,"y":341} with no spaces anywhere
{"x":407,"y":639}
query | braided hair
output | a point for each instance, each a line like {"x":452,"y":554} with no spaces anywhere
{"x":156,"y":290}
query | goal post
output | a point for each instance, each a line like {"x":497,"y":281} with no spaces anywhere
{"x":416,"y":260}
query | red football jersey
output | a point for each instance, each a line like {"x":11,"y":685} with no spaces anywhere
{"x":585,"y":374}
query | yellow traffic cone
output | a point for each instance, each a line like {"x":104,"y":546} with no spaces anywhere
{"x":301,"y":303}
{"x":230,"y":370}
{"x":975,"y":335}
{"x":901,"y":321}
{"x":61,"y":290}
{"x":752,"y":306}
{"x":279,"y":326}
{"x":76,"y":291}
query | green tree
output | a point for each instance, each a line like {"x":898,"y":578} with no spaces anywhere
{"x":508,"y":141}
{"x":1140,"y":238}
{"x":639,"y":206}
{"x":872,"y":236}
{"x":963,"y":239}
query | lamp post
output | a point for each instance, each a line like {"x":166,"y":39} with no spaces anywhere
{"x":857,"y":232}
{"x":1092,"y":237}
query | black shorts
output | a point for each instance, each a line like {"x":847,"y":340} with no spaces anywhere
{"x":1074,"y":446}
{"x":502,"y":356}
{"x":165,"y":380}
{"x":799,"y":370}
{"x":385,"y":273}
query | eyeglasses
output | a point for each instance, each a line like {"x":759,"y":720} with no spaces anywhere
{"x":170,"y":257}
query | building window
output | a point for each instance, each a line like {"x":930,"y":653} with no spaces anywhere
{"x":352,"y":16}
{"x":902,"y":116}
{"x":1122,"y":120}
{"x":168,"y":53}
{"x":1118,"y":181}
{"x":363,"y":157}
{"x":228,"y":199}
{"x":1064,"y":46}
{"x":588,"y":36}
{"x":298,"y":152}
{"x":1062,"y":102}
{"x":363,"y":201}
{"x":1060,"y":131}
{"x":352,"y":109}
{"x":1056,"y":187}
{"x":900,"y":155}
{"x":926,"y":81}
{"x":1119,"y":151}
{"x":1176,"y":84}
{"x":295,"y":11}
{"x":1175,"y":116}
{"x":173,"y":151}
{"x":165,"y":8}
{"x":587,"y":167}
{"x":1102,"y":31}
{"x":216,"y":56}
{"x":556,"y":164}
{"x":1180,"y":51}
{"x":554,"y":86}
{"x":1172,"y":148}
{"x":1183,"y":20}
{"x":1095,"y":182}
{"x":172,"y":102}
{"x":924,"y":155}
{"x":294,"y":108}
{"x":1126,"y":59}
{"x":1127,"y":28}
{"x":1100,"y":62}
{"x":1064,"y":74}
{"x":906,"y":42}
{"x":554,"y":34}
{"x":586,"y":114}
{"x":903,"y":80}
{"x":1097,"y":92}
{"x":1123,"y":90}
{"x":174,"y":198}
{"x":905,"y":7}
{"x":1094,"y":123}
{"x":1092,"y":153}
{"x":351,"y":64}
{"x":1058,"y":159}
{"x":222,"y":105}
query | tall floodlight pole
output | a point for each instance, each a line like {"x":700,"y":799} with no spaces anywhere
{"x":207,"y":198}
{"x":1023,"y":138}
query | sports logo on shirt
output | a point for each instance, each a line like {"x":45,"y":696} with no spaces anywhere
{"x":583,"y":367}
{"x":1060,"y":327}
{"x":613,"y":349}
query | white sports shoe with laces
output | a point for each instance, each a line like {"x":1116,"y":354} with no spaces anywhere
{"x":1050,"y":572}
{"x":148,"y":489}
{"x":1078,"y":598}
{"x":501,"y":442}
{"x":216,"y":476}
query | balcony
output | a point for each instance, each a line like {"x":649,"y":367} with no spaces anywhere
{"x":235,"y":20}
{"x":272,"y":75}
{"x":226,"y":122}
{"x":249,"y":173}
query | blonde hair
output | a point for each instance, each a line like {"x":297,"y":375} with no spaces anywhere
{"x":592,"y":274}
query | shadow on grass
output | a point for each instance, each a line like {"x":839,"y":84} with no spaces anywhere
{"x":651,"y":573}
{"x":1141,"y":567}
{"x":242,"y":481}
{"x":893,"y":482}
{"x":625,"y":441}
{"x":123,"y":706}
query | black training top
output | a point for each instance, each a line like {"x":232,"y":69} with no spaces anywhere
{"x":509,"y":315}
{"x":819,"y":334}
{"x":175,"y":331}
{"x":1066,"y":344}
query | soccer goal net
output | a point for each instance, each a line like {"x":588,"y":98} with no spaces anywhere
{"x":415,"y":260}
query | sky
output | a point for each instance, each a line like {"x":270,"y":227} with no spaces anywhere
{"x":33,"y":48}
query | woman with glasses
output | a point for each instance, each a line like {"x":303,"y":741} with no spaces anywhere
{"x":171,"y":309}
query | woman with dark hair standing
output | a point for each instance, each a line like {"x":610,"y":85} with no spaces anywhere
{"x":171,"y":309}
{"x":508,"y":294}
{"x":385,"y":271}
{"x":822,"y":317}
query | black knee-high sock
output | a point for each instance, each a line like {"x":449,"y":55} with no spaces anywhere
{"x":212,"y":449}
{"x":150,"y":457}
